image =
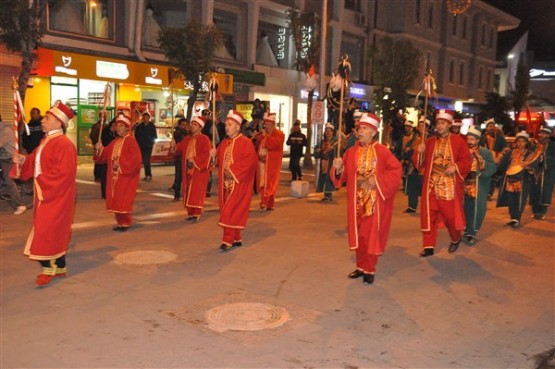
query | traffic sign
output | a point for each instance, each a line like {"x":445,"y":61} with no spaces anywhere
{"x":318,"y":112}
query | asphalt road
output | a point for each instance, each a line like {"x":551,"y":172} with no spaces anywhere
{"x":146,"y":298}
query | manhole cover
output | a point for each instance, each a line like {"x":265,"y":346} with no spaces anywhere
{"x":246,"y":317}
{"x":145,"y":257}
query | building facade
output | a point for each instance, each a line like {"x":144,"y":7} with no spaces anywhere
{"x":89,"y":44}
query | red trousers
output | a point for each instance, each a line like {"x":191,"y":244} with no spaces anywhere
{"x":440,"y":210}
{"x":267,"y":201}
{"x":366,"y":261}
{"x":196,"y":212}
{"x":123,"y":219}
{"x":231,"y":235}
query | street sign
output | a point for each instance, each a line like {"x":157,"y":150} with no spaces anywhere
{"x":318,"y":112}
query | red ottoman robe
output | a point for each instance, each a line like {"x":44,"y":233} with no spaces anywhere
{"x":273,"y":142}
{"x":462,"y":160}
{"x":121,"y":186}
{"x":194,"y":185}
{"x":54,"y":166}
{"x":234,"y":210}
{"x":388,"y":180}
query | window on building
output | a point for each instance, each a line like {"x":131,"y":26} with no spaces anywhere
{"x":275,"y":46}
{"x":418,"y":5}
{"x":480,"y":78}
{"x":452,"y":71}
{"x":461,"y":73}
{"x":353,"y":47}
{"x":491,"y":37}
{"x":454,"y":29}
{"x":428,"y":60}
{"x":483,"y":40}
{"x":161,"y":13}
{"x":89,"y":18}
{"x":353,"y":5}
{"x":231,"y":25}
{"x":488,"y":80}
{"x":431,"y":16}
{"x":464,"y":26}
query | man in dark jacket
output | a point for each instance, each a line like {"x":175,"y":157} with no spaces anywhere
{"x":145,"y":134}
{"x":31,"y":141}
{"x":297,"y":141}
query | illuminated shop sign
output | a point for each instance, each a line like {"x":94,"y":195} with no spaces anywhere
{"x":281,"y":43}
{"x":106,"y":69}
{"x":358,"y":92}
{"x":65,"y":67}
{"x":304,"y":94}
{"x":152,"y":78}
{"x":537,"y":73}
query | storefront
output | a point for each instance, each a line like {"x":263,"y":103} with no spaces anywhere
{"x":80,"y":81}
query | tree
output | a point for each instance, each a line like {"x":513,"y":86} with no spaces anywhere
{"x":522,"y":88}
{"x":22,"y":33}
{"x":191,"y":49}
{"x":496,"y":107}
{"x":395,"y":66}
{"x":307,"y":54}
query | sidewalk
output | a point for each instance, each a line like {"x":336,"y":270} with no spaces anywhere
{"x":487,"y":306}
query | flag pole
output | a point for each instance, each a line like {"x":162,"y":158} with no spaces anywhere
{"x":214,"y":90}
{"x":344,"y":69}
{"x":18,"y":114}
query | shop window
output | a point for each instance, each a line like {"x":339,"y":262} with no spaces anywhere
{"x":162,"y":13}
{"x":91,"y":18}
{"x":231,"y":25}
{"x":275,"y":46}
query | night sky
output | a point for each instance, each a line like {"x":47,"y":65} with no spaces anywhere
{"x":537,"y":16}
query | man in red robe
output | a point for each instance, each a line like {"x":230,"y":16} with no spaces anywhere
{"x":53,"y":164}
{"x":236,"y":160}
{"x":195,"y":153}
{"x":373,"y":176}
{"x":269,"y":147}
{"x":445,"y":160}
{"x":123,"y":157}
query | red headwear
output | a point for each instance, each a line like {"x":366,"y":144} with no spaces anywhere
{"x":235,"y":116}
{"x":370,"y":120}
{"x":61,"y":112}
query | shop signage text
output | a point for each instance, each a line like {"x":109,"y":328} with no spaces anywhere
{"x":64,"y":68}
{"x":106,"y":69}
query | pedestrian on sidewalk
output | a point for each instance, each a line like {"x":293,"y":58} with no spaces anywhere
{"x":236,"y":160}
{"x":123,"y":157}
{"x":196,"y":167}
{"x":445,"y":161}
{"x":269,"y":147}
{"x":181,"y":131}
{"x":145,"y":135}
{"x":477,"y":185}
{"x":373,"y":176}
{"x":7,"y":151}
{"x":517,"y":165}
{"x":53,"y":164}
{"x":297,"y":141}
